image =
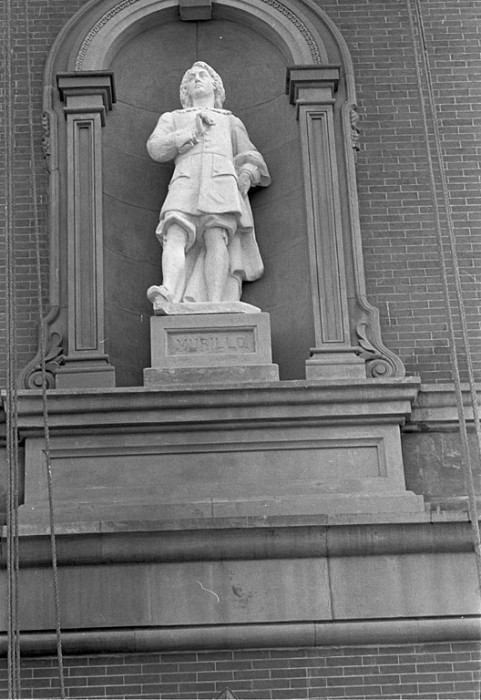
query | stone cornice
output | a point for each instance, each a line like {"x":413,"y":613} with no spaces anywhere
{"x":435,"y":408}
{"x":290,"y":634}
{"x":295,"y":402}
{"x":122,"y":543}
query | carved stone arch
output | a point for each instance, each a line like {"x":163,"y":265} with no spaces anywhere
{"x":78,"y":96}
{"x":90,"y":39}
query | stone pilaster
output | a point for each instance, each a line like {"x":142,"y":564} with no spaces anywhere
{"x":312,"y":89}
{"x":87,"y":98}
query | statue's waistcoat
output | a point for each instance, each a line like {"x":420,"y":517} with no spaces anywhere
{"x":204,"y":179}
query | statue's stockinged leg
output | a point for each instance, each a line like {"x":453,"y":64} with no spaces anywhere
{"x":173,"y":265}
{"x":216,"y":262}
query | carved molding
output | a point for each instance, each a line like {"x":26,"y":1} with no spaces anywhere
{"x":304,"y":44}
{"x":332,"y":633}
{"x":96,"y":29}
{"x":292,"y":17}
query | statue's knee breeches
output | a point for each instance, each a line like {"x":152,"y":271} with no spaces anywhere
{"x":175,"y":236}
{"x":195,"y":227}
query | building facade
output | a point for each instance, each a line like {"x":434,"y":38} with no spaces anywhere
{"x":221,"y":533}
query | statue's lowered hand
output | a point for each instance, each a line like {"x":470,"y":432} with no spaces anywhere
{"x":244,"y":183}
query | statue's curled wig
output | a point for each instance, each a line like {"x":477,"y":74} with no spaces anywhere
{"x":219,"y":92}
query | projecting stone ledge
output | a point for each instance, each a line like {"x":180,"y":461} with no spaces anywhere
{"x":278,"y":449}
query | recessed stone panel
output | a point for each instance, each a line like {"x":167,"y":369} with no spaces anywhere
{"x":210,"y":340}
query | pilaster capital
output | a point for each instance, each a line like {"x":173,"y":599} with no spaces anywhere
{"x":312,"y":84}
{"x":87,"y":92}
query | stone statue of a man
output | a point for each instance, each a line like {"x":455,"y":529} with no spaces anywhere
{"x":206,"y":227}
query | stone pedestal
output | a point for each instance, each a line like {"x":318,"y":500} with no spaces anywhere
{"x":278,"y":449}
{"x":207,"y":348}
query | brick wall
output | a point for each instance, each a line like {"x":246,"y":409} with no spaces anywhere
{"x":446,"y":670}
{"x":399,"y":237}
{"x":401,"y":262}
{"x":46,"y":18}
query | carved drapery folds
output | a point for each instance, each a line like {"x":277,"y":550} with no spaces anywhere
{"x":77,"y":98}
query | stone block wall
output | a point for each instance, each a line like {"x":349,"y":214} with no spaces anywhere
{"x":401,"y":257}
{"x":428,"y":671}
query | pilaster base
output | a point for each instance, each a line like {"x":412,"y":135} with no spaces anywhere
{"x":85,"y":374}
{"x":335,"y":364}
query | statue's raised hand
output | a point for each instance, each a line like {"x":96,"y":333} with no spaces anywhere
{"x":202,"y":122}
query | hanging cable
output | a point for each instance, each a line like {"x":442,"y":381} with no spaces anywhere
{"x":42,"y":348}
{"x":423,"y":65}
{"x":14,"y":687}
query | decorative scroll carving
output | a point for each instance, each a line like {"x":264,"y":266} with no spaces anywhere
{"x":282,"y":9}
{"x":355,"y":131}
{"x":33,"y":377}
{"x":379,"y":365}
{"x":46,"y":138}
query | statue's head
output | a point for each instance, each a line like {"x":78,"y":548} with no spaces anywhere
{"x":219,"y":92}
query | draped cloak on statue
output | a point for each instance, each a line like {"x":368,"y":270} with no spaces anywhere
{"x":204,"y":183}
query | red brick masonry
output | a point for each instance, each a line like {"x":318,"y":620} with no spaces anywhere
{"x":446,"y":670}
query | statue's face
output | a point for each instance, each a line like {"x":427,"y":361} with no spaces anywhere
{"x":199,"y":83}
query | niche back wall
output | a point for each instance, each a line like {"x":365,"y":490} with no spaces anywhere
{"x":148,"y":70}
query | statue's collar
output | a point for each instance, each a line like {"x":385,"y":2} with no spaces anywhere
{"x":205,"y":109}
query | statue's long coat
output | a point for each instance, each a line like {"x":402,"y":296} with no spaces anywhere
{"x":205,"y":182}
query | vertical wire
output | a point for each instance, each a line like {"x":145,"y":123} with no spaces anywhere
{"x":423,"y":62}
{"x":11,"y":395}
{"x":42,"y":348}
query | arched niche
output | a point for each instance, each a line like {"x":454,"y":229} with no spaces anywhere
{"x":135,"y":186}
{"x":147,"y":47}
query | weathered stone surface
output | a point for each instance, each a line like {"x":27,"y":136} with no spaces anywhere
{"x":324,"y":364}
{"x":172,"y":308}
{"x":261,"y":586}
{"x":214,"y":340}
{"x":410,"y":584}
{"x":232,"y":451}
{"x":206,"y":376}
{"x":211,"y":348}
{"x":195,"y":10}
